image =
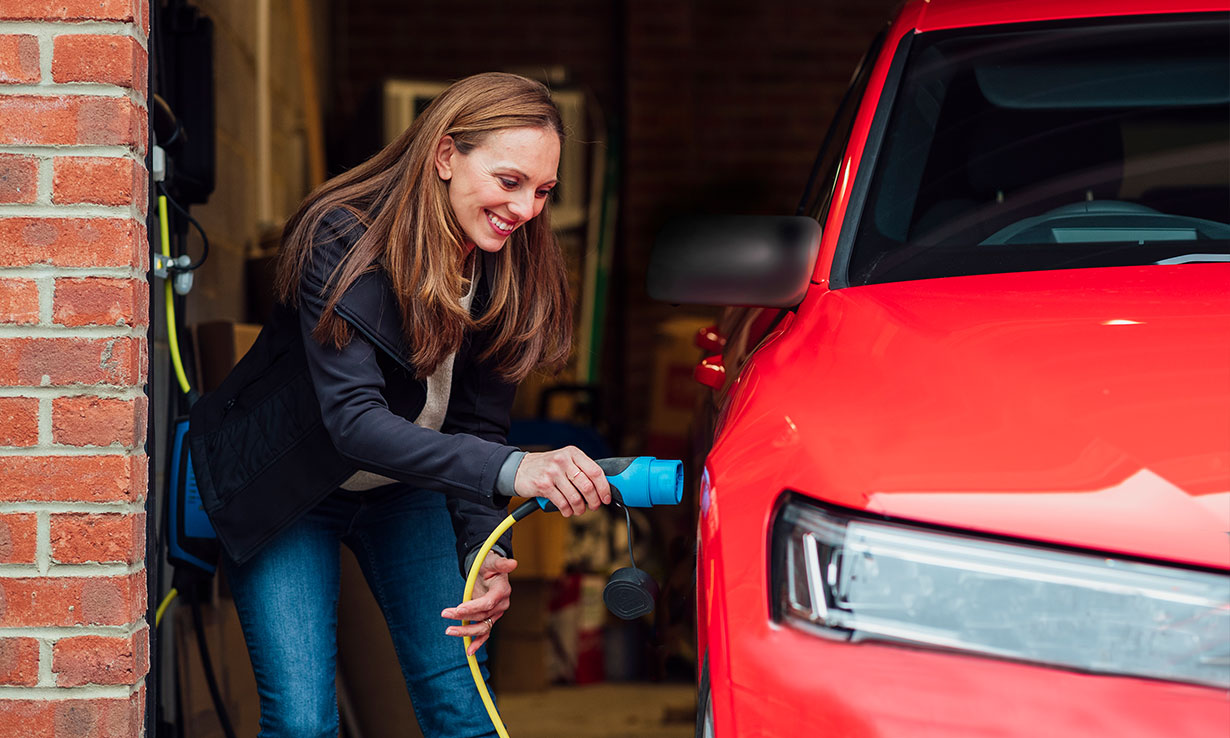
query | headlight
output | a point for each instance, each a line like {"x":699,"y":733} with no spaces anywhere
{"x":860,"y":579}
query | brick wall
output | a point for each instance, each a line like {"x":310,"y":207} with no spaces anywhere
{"x":74,"y":311}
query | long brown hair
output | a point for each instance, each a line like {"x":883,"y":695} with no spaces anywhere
{"x":413,"y":234}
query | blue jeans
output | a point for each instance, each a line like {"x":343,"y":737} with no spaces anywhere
{"x":287,"y":597}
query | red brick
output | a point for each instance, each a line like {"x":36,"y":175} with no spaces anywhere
{"x":73,"y":478}
{"x":114,"y":60}
{"x":19,"y":62}
{"x":18,"y":538}
{"x":73,"y":242}
{"x":100,"y":180}
{"x":101,"y":301}
{"x":72,"y":10}
{"x":19,"y":662}
{"x":59,"y":602}
{"x":18,"y":301}
{"x":72,"y":361}
{"x":104,"y":121}
{"x":97,"y":718}
{"x":100,"y":660}
{"x":72,"y":119}
{"x":98,"y":421}
{"x":80,"y":538}
{"x":27,"y":119}
{"x":18,"y":177}
{"x":18,"y":422}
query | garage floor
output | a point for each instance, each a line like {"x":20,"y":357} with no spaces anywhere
{"x":634,"y":710}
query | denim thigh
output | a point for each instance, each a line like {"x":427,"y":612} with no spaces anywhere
{"x":404,"y":542}
{"x":286,"y":597}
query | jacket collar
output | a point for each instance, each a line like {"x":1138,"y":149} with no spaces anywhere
{"x":371,"y":307}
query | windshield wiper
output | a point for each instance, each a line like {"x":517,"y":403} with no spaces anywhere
{"x":1195,"y":259}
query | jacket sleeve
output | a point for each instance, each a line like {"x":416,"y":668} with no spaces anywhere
{"x":480,"y":404}
{"x":350,"y":385}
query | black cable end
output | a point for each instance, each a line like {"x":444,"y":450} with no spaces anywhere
{"x":525,"y":509}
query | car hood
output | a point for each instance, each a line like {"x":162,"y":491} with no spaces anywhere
{"x":1088,"y":408}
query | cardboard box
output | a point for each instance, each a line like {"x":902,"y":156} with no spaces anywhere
{"x":371,"y":691}
{"x":369,"y":677}
{"x":219,"y":345}
{"x":232,"y":669}
{"x":673,"y":391}
{"x":519,"y":649}
{"x":539,"y":545}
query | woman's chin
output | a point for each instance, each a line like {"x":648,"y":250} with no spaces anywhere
{"x":491,"y":245}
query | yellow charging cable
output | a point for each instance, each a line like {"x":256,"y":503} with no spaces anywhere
{"x":524,"y":510}
{"x":172,"y":334}
{"x":162,"y":607}
{"x":164,"y":231}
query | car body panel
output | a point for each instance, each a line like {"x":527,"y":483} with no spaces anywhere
{"x":769,"y":679}
{"x":935,"y":16}
{"x":831,"y":688}
{"x":1023,"y":417}
{"x":1022,"y":406}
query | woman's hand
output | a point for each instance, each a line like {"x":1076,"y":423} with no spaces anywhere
{"x":491,"y":594}
{"x":566,"y":476}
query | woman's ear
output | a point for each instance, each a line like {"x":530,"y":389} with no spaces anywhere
{"x":445,"y":150}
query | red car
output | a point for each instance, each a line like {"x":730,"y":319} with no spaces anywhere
{"x":970,"y":470}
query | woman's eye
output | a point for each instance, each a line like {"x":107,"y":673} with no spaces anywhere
{"x":543,"y":193}
{"x":508,"y":183}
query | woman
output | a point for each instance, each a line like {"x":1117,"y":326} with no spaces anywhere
{"x":414,"y":292}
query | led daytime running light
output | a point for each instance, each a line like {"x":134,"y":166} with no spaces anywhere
{"x":862,"y":579}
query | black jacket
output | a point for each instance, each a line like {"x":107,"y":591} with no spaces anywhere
{"x":294,"y":419}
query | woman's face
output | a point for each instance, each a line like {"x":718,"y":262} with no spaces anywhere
{"x":501,"y":184}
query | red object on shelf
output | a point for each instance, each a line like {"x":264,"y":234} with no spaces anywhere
{"x":711,"y":372}
{"x":709,"y":340}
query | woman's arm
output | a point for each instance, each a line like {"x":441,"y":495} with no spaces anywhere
{"x":349,"y":386}
{"x":480,"y":404}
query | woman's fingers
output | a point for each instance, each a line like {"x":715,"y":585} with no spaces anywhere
{"x":566,"y":476}
{"x":476,"y":643}
{"x":478,"y":632}
{"x":473,"y":629}
{"x":492,"y":604}
{"x":590,"y":481}
{"x":481,"y":612}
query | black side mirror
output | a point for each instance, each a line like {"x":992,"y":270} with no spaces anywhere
{"x":764,"y":261}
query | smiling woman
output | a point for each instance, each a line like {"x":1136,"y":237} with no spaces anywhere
{"x":373,"y":409}
{"x":490,"y":191}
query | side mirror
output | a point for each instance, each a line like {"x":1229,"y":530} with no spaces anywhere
{"x":765,"y":261}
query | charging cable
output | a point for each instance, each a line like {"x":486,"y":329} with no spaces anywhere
{"x":635,"y":482}
{"x":172,"y":332}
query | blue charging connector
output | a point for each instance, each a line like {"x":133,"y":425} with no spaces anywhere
{"x":639,"y":481}
{"x":636,"y":481}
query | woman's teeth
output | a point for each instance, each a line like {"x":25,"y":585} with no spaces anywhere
{"x":500,"y":225}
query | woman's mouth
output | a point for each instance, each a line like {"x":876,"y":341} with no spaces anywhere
{"x":500,"y":225}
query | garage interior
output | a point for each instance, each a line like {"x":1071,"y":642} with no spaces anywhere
{"x":674,"y":107}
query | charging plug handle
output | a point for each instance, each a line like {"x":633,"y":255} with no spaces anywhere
{"x":638,"y":481}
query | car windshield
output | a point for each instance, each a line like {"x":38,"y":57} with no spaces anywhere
{"x":1053,"y":147}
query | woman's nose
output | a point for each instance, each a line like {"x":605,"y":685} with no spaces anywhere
{"x":522,"y":206}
